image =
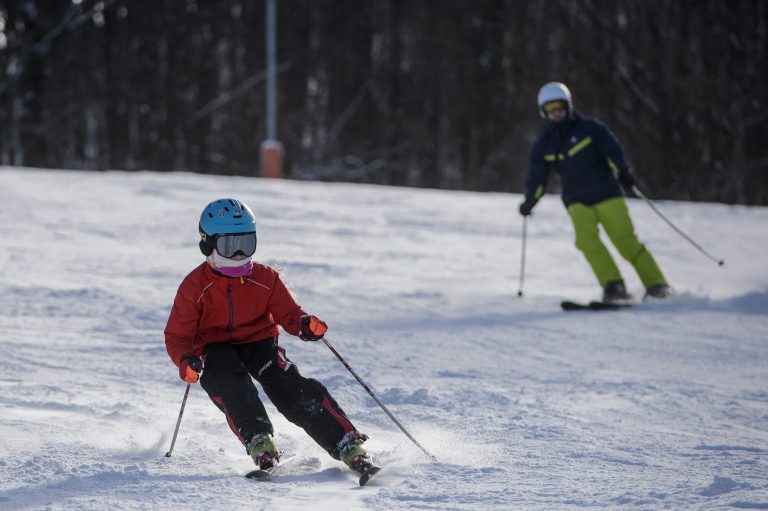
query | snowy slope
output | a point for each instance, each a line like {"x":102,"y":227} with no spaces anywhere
{"x":526,"y":407}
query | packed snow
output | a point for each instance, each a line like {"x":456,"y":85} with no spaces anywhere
{"x":663,"y":406}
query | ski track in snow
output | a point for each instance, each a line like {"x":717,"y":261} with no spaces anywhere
{"x":664,"y":406}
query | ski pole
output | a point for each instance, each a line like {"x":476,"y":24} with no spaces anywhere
{"x":640,"y":194}
{"x":376,"y":399}
{"x":178,"y":421}
{"x":522,"y":258}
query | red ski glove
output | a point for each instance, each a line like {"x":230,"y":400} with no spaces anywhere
{"x":189,"y":368}
{"x":312,"y":328}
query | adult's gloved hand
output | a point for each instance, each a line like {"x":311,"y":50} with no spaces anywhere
{"x":627,"y":181}
{"x":190,"y":367}
{"x":527,"y":206}
{"x":312,"y":328}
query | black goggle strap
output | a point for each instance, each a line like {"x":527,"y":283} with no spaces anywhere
{"x":207,"y":244}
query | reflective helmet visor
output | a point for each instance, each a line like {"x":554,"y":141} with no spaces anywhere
{"x":553,"y":106}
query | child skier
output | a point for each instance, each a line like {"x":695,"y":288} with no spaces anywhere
{"x":224,"y":322}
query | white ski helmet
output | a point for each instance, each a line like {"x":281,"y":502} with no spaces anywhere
{"x":554,"y":91}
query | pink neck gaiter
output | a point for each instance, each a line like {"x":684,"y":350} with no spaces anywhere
{"x":236,"y":271}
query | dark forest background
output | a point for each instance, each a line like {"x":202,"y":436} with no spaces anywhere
{"x":419,"y":93}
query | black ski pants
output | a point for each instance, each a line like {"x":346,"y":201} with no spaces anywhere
{"x":306,"y":402}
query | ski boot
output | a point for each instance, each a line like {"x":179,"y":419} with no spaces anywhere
{"x":659,"y":291}
{"x":261,"y":447}
{"x":615,"y":291}
{"x":352,"y":452}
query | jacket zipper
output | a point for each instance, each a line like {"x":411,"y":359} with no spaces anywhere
{"x":231,"y":313}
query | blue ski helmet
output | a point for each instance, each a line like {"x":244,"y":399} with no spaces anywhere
{"x":224,"y":216}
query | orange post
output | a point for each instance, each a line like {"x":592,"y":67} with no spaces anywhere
{"x":271,"y":159}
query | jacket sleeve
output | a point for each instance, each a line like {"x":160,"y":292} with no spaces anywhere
{"x":538,"y":174}
{"x":181,"y":329}
{"x":285,"y":309}
{"x":609,"y":146}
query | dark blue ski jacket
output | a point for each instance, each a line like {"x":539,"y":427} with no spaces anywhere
{"x":587,"y":156}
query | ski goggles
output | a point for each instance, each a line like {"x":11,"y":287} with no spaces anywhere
{"x":553,"y":106}
{"x":229,"y":245}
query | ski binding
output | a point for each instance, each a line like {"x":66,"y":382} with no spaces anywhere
{"x":265,"y":474}
{"x":368,"y":473}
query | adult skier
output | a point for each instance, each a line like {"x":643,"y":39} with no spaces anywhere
{"x":224,"y":323}
{"x":591,"y":165}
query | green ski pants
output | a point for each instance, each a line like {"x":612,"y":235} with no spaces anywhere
{"x":614,"y":217}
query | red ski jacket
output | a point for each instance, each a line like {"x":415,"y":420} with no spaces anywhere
{"x":210,"y":307}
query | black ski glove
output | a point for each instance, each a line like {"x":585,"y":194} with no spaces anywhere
{"x":627,"y":182}
{"x":526,"y":206}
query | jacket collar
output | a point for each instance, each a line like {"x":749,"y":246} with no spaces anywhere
{"x":565,"y":125}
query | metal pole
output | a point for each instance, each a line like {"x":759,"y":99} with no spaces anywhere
{"x":271,"y":148}
{"x":178,"y":421}
{"x":640,"y":194}
{"x":522,"y":258}
{"x":271,"y":34}
{"x":377,"y":399}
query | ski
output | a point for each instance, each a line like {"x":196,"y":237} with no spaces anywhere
{"x":368,"y":473}
{"x":593,"y":306}
{"x":265,"y":474}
